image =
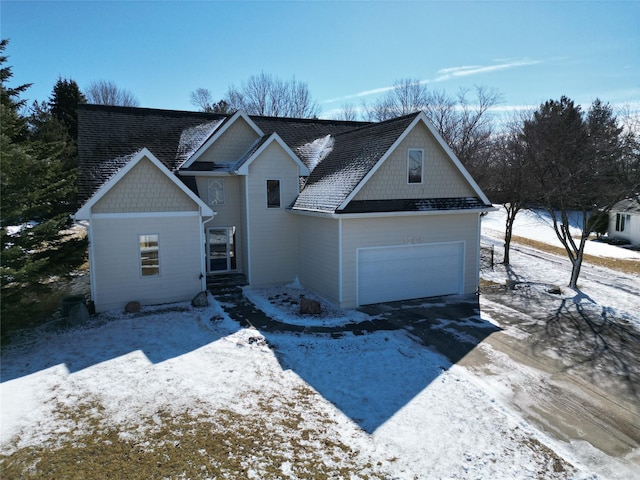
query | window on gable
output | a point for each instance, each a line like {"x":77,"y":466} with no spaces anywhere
{"x":415,"y":165}
{"x":215,"y":192}
{"x":621,"y":221}
{"x":273,"y":193}
{"x":149,"y":255}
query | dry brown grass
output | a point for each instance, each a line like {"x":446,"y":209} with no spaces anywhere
{"x":618,"y":264}
{"x":275,"y":441}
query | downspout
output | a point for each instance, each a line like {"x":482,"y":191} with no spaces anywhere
{"x":478,"y":252}
{"x":340,"y":292}
{"x":248,"y":227}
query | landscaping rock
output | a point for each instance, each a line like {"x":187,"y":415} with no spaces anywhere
{"x":309,"y":307}
{"x":132,"y":307}
{"x":78,"y":313}
{"x":200,"y":300}
{"x":555,"y":290}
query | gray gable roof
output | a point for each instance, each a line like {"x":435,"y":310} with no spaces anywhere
{"x":108,"y":136}
{"x":339,"y":154}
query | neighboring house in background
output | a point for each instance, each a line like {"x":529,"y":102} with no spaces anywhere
{"x":358,"y":212}
{"x":624,"y":220}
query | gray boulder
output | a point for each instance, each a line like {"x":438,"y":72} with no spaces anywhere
{"x":200,"y":300}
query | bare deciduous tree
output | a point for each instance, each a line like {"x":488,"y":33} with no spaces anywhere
{"x":105,"y":92}
{"x":465,"y":124}
{"x":270,"y":96}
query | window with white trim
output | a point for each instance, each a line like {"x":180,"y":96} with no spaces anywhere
{"x":273,"y":193}
{"x":415,"y":165}
{"x":149,"y":255}
{"x":215,"y":192}
{"x":622,"y":220}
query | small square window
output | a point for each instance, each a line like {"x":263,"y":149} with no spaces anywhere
{"x":215,"y":192}
{"x":149,"y":258}
{"x":415,"y":166}
{"x":273,"y":193}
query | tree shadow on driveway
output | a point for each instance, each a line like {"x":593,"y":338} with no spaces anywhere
{"x":590,"y":337}
{"x":373,"y":369}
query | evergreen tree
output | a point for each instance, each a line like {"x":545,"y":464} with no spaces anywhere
{"x":37,"y":197}
{"x":64,"y":105}
{"x":575,"y":161}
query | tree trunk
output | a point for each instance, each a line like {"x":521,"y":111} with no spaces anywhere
{"x":512,"y":211}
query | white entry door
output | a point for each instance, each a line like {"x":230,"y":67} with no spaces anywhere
{"x":403,"y":272}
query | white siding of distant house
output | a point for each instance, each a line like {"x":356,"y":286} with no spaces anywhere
{"x":631,"y":230}
{"x":408,"y":230}
{"x":273,"y":239}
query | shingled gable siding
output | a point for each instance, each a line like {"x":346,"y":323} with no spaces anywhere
{"x":232,"y":144}
{"x":144,"y":189}
{"x":319,"y":256}
{"x":409,"y":230}
{"x":441,"y":178}
{"x":273,"y":231}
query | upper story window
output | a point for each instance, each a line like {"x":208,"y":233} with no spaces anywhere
{"x":415,"y":165}
{"x":621,"y":220}
{"x":149,"y":255}
{"x":215,"y":192}
{"x":273,"y":193}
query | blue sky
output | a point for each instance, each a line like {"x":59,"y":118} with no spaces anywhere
{"x":345,"y":51}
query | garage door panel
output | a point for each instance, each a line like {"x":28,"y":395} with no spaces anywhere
{"x":409,"y":271}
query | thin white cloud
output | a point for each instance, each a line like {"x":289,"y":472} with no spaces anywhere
{"x":445,"y":74}
{"x":466,"y":70}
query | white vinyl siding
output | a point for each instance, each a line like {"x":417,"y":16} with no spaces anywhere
{"x":273,"y":232}
{"x":116,"y":260}
{"x":319,"y":256}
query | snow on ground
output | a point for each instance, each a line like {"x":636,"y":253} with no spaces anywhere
{"x":404,"y":411}
{"x":620,"y":294}
{"x":538,"y":225}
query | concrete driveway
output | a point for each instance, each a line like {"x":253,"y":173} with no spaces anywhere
{"x":572,"y":371}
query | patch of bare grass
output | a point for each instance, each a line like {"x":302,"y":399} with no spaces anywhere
{"x":275,"y":441}
{"x":619,"y":264}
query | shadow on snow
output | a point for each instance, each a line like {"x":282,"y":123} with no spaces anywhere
{"x":371,"y":377}
{"x":102,"y":339}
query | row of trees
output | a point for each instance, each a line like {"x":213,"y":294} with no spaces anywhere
{"x":574,"y":164}
{"x":38,"y":194}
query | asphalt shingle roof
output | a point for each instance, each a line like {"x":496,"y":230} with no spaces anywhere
{"x":339,"y":154}
{"x":353,"y":155}
{"x":109,"y":135}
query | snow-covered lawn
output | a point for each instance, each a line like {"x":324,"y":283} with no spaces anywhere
{"x":213,"y":400}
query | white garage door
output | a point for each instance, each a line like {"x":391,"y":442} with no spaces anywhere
{"x":387,"y":274}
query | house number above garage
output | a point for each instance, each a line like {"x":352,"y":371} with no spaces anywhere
{"x":413,"y":240}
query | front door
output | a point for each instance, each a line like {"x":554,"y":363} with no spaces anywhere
{"x":221,"y":249}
